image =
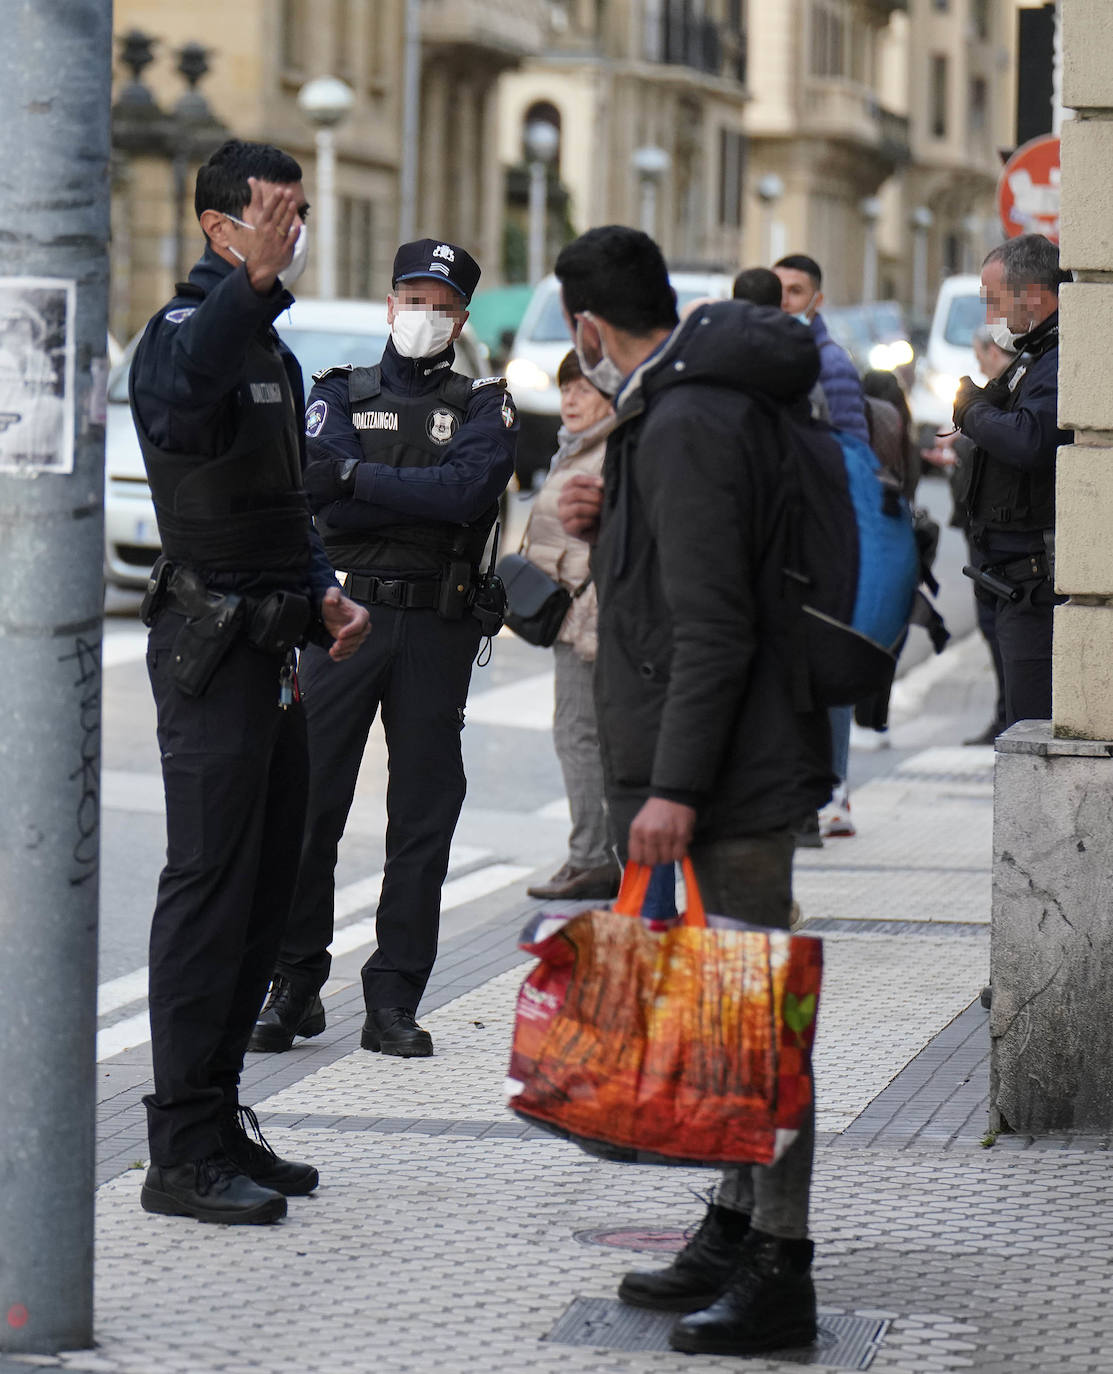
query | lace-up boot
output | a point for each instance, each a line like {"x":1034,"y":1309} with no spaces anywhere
{"x":210,"y":1189}
{"x":246,"y":1146}
{"x":288,"y":1011}
{"x":767,"y":1304}
{"x":699,"y":1272}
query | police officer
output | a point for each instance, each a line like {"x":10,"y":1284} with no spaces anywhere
{"x":407,"y":463}
{"x":1009,"y":492}
{"x":216,"y":400}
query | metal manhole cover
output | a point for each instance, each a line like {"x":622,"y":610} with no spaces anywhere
{"x":844,"y":1342}
{"x":649,"y":1240}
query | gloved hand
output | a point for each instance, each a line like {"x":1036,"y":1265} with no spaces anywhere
{"x":329,"y":479}
{"x":968,"y":394}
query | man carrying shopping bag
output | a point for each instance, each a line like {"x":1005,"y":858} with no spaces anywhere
{"x":703,"y":753}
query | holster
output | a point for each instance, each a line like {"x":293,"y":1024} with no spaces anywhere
{"x":155,"y":594}
{"x":488,"y":603}
{"x":213,"y":623}
{"x":278,"y":622}
{"x":455,"y":589}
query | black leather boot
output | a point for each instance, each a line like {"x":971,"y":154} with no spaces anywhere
{"x":698,"y":1274}
{"x":393,"y":1030}
{"x":246,"y":1146}
{"x":210,"y":1189}
{"x":289,"y":1010}
{"x":767,"y":1304}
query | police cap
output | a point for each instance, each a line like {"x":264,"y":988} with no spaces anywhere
{"x":439,"y":260}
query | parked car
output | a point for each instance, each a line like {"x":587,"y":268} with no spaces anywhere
{"x":948,"y":356}
{"x":540,"y":343}
{"x":319,"y":333}
{"x":876,"y":336}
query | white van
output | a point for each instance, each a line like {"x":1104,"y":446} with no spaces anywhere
{"x":948,"y":357}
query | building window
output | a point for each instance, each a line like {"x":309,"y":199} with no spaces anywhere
{"x":828,"y":46}
{"x":941,"y":5}
{"x":938,"y":95}
{"x":293,"y":35}
{"x":980,"y":17}
{"x":732,"y":174}
{"x":979,"y":104}
{"x":354,"y":248}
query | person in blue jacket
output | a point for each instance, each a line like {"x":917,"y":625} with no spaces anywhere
{"x":216,"y":398}
{"x":801,"y":296}
{"x":408,"y":460}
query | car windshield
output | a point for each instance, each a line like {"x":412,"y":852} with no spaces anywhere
{"x":320,"y":348}
{"x":964,"y":316}
{"x":550,"y":326}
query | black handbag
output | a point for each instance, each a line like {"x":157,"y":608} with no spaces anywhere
{"x":536,"y":605}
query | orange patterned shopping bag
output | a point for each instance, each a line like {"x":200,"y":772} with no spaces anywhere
{"x":688,"y":1043}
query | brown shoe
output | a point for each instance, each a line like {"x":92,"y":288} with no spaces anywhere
{"x":580,"y":884}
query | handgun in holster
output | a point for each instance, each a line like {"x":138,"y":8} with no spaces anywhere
{"x":213,"y":623}
{"x":994,"y":585}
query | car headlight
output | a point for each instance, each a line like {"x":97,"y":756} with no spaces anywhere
{"x":881,"y":358}
{"x":943,"y":385}
{"x":901,"y":352}
{"x":524,"y":375}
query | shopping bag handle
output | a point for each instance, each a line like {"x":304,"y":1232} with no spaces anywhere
{"x":635,"y":885}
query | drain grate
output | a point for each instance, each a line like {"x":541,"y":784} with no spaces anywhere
{"x":845,"y":925}
{"x":844,"y":1342}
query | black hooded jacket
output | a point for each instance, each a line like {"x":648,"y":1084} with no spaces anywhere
{"x":692,"y":674}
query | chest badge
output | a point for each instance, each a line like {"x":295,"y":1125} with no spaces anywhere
{"x":441,"y":426}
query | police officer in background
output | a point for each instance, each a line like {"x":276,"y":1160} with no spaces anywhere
{"x":1009,"y":492}
{"x":407,"y":462}
{"x":242,"y":580}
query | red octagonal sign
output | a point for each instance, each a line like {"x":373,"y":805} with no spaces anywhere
{"x":1028,"y":192}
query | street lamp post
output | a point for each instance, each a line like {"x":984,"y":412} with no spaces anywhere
{"x":651,"y":164}
{"x":922,"y":220}
{"x":325,"y":101}
{"x":542,"y":141}
{"x":871,"y":213}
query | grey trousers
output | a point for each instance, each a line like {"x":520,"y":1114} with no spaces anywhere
{"x":576,"y":740}
{"x":750,"y":878}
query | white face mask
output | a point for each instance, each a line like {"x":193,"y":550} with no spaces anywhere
{"x":1002,"y":335}
{"x":297,"y":264}
{"x":605,"y":375}
{"x":419,"y":332}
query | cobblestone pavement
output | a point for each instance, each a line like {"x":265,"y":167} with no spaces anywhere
{"x":449,"y":1236}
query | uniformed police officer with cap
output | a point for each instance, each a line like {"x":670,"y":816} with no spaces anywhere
{"x":217,"y":402}
{"x":407,"y":462}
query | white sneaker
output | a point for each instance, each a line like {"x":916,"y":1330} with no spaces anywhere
{"x":834,"y":819}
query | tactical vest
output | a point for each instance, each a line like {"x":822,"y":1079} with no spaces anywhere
{"x":244,"y":510}
{"x":1001,"y":497}
{"x":406,"y":432}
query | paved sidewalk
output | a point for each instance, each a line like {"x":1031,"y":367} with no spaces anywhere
{"x":448,"y":1236}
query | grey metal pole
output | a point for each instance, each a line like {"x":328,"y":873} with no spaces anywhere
{"x":55,"y":77}
{"x":411,"y":119}
{"x":537,"y":191}
{"x":326,"y":195}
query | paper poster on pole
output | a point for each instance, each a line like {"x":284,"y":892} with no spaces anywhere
{"x":36,"y":374}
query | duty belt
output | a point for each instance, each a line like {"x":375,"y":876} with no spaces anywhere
{"x":404,"y":593}
{"x":1026,"y":569}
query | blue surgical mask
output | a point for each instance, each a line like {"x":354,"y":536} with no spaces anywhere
{"x":803,"y":315}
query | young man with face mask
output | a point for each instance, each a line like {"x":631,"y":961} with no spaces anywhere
{"x":216,"y":399}
{"x":407,"y":462}
{"x":1009,"y":493}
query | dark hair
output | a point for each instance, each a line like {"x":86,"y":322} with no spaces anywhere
{"x":1030,"y":260}
{"x":758,"y":285}
{"x":886,"y":386}
{"x":800,"y":262}
{"x":569,"y":368}
{"x":619,"y":274}
{"x":222,"y":181}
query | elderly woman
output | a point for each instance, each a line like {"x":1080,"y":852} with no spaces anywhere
{"x":591,"y":869}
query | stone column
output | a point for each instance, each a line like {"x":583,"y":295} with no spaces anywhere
{"x":492,"y":199}
{"x":431,"y":208}
{"x":1052,"y":939}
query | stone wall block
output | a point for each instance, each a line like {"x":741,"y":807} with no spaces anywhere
{"x":1051,"y":1024}
{"x":1084,"y":521}
{"x":1085,"y":396}
{"x":1087,"y":43}
{"x":1082,"y":672}
{"x":1086,"y":227}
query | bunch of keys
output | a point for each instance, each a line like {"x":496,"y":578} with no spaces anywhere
{"x":288,"y":682}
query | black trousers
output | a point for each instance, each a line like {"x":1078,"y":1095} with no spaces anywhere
{"x":415,"y":668}
{"x":1022,"y":629}
{"x":235,"y":772}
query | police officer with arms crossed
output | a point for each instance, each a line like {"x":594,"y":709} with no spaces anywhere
{"x":242,"y":580}
{"x":407,"y":462}
{"x":1009,"y":492}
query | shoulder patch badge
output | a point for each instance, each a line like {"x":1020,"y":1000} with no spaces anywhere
{"x":508,"y":413}
{"x":315,"y":418}
{"x":177,"y":316}
{"x":488,"y":381}
{"x":329,"y":371}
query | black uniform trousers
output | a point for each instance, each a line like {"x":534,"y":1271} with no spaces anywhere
{"x":1022,"y":630}
{"x":235,"y":771}
{"x":415,"y":667}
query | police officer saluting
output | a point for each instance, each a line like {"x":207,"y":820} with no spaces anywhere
{"x":407,"y":462}
{"x":1009,"y":495}
{"x":243,"y":579}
